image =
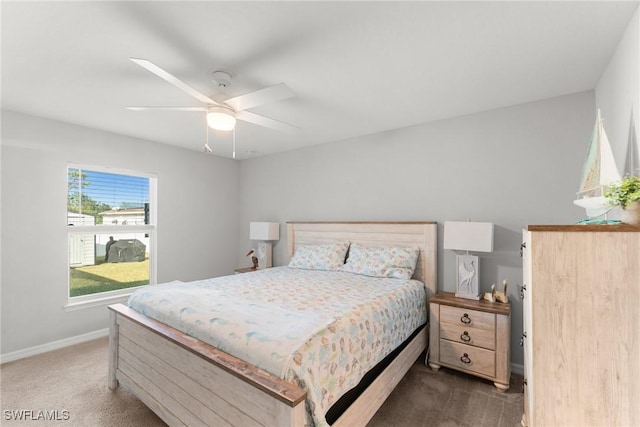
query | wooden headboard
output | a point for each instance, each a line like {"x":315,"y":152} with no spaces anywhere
{"x":421,"y":234}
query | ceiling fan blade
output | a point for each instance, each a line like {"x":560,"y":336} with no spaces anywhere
{"x":265,"y":121}
{"x":166,"y":108}
{"x":150,"y":66}
{"x":260,"y":97}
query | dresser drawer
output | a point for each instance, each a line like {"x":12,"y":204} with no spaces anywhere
{"x":485,"y":338}
{"x":479,"y":360}
{"x":468,"y":318}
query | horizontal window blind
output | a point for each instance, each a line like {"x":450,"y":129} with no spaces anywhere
{"x":96,"y":198}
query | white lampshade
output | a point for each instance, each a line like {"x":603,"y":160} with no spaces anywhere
{"x":264,"y":231}
{"x":468,"y":236}
{"x":221,"y":117}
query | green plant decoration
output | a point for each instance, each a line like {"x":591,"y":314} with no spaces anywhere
{"x":624,"y":192}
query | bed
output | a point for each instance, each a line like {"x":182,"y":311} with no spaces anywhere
{"x":189,"y":382}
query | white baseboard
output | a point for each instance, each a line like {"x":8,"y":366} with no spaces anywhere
{"x":55,"y":345}
{"x":517,"y":368}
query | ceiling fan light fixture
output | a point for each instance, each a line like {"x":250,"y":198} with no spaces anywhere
{"x":221,"y":118}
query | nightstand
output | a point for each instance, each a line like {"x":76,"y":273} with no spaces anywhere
{"x":471,"y":336}
{"x":245,"y":270}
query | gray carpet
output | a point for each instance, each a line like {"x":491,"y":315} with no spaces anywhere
{"x":73,"y":379}
{"x":448,"y":398}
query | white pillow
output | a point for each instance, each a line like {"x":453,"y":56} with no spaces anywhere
{"x":320,"y":257}
{"x":394,"y":262}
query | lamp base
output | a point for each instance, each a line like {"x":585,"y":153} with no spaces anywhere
{"x":264,"y":255}
{"x":467,"y":277}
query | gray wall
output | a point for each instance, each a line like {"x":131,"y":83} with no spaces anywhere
{"x":513,"y":166}
{"x":197,"y":220}
{"x":618,"y":94}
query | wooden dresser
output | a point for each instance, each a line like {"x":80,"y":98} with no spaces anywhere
{"x":471,"y":336}
{"x":581,"y":331}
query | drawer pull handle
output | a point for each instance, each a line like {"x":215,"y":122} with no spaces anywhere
{"x":465,"y":358}
{"x":465,"y":336}
{"x":465,"y":319}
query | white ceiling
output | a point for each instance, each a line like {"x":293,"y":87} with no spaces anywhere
{"x":357,"y":67}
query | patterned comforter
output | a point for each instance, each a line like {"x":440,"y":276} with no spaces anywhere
{"x":321,"y":330}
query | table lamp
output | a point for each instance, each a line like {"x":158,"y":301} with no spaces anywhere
{"x":264,"y":231}
{"x":468,"y":236}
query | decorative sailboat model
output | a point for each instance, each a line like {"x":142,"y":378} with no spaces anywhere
{"x":599,"y":171}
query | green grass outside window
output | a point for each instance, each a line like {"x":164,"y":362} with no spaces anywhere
{"x":105,"y":276}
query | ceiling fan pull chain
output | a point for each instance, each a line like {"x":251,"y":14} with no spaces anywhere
{"x":207,"y":147}
{"x":234,"y":143}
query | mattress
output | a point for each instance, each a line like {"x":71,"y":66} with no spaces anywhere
{"x":318,"y":329}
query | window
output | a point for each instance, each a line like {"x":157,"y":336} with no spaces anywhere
{"x":111,"y":219}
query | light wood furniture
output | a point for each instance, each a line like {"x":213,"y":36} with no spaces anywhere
{"x":581,"y":331}
{"x":472,"y":337}
{"x":188,"y":382}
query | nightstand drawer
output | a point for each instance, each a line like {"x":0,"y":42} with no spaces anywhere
{"x":468,"y":318}
{"x":477,"y":359}
{"x":485,"y":338}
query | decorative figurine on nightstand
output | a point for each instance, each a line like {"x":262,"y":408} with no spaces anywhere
{"x":254,"y":259}
{"x":489,"y":296}
{"x":502,"y":296}
{"x":497,"y":296}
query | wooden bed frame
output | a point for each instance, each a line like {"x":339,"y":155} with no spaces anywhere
{"x":188,"y":382}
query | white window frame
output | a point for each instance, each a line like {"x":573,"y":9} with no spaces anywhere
{"x":119,"y":295}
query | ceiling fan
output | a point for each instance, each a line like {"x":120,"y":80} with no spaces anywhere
{"x":222,"y":115}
